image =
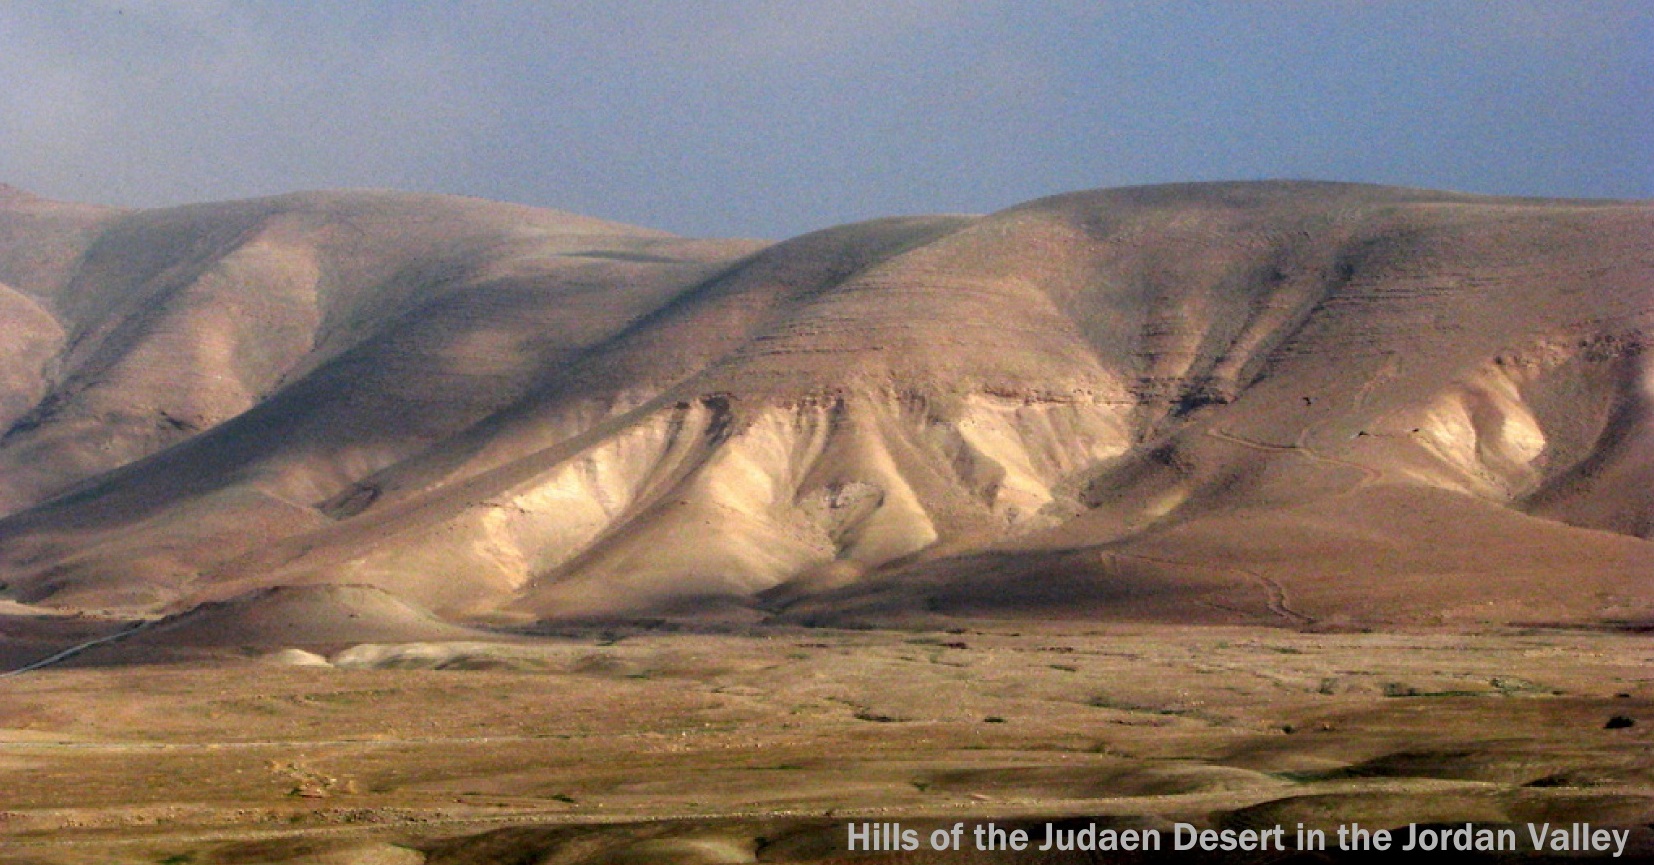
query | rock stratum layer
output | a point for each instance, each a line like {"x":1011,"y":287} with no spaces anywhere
{"x":1289,"y":402}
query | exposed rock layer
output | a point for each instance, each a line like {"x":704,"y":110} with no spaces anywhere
{"x":1286,"y":401}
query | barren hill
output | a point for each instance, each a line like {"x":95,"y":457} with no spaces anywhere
{"x":1285,"y":402}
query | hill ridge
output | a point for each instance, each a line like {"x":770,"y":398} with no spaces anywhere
{"x":1181,"y":401}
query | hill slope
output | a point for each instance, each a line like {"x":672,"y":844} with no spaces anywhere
{"x":1288,"y":402}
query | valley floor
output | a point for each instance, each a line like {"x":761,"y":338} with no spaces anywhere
{"x":635,"y":746}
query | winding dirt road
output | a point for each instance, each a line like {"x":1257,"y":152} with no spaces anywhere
{"x":128,"y":631}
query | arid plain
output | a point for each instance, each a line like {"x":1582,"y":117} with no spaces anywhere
{"x":372,"y":527}
{"x":641,"y":746}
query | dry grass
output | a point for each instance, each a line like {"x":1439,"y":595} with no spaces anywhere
{"x":738,"y":737}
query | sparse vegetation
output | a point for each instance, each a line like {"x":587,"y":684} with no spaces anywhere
{"x":1155,"y":718}
{"x":1195,"y":443}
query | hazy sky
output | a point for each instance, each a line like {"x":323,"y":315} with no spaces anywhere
{"x":771,"y":118}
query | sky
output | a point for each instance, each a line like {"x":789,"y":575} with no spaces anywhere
{"x":768,"y":119}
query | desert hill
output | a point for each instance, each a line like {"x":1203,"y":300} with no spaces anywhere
{"x":1281,"y":402}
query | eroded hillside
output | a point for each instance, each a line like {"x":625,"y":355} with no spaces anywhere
{"x":1283,"y":402}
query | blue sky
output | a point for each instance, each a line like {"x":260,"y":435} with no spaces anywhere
{"x":771,"y":118}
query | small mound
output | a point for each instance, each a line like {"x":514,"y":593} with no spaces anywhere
{"x":689,"y":851}
{"x":293,"y":616}
{"x":715,"y":842}
{"x":1379,"y":810}
{"x":1086,"y":782}
{"x":1603,"y":809}
{"x":296,"y":658}
{"x":1489,"y":765}
{"x":474,"y":655}
{"x":435,"y":656}
{"x":287,"y":852}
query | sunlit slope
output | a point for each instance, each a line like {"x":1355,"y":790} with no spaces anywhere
{"x":226,"y":367}
{"x":1284,"y":401}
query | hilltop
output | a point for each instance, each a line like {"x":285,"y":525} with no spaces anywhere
{"x":1282,"y":402}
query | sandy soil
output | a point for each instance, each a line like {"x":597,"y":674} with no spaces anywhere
{"x":634,"y":746}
